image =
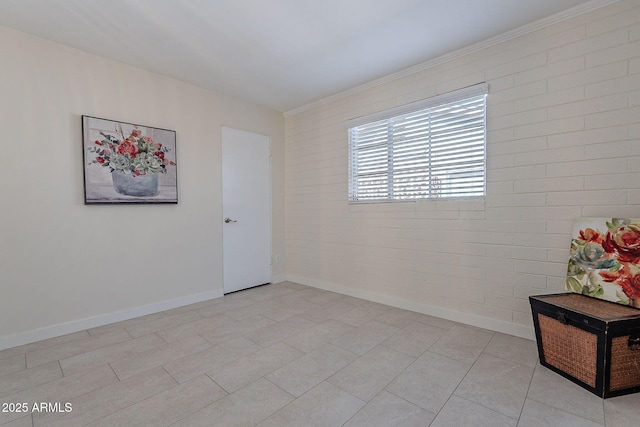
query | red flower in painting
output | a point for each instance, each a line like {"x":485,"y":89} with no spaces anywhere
{"x":631,"y":287}
{"x":625,"y":242}
{"x":591,"y":235}
{"x":127,"y":147}
{"x":629,"y":282}
{"x":134,"y":155}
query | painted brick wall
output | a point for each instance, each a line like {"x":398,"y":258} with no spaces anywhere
{"x":563,"y":142}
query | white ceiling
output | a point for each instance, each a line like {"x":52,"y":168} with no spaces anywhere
{"x":282,"y":54}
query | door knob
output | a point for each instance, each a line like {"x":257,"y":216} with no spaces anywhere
{"x":228,"y":220}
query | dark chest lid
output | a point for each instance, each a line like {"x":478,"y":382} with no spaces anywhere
{"x":596,"y":308}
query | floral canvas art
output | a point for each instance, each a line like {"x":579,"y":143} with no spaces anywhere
{"x":605,"y":259}
{"x":128,"y":163}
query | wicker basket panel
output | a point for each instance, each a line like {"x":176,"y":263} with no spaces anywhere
{"x":570,"y":349}
{"x":625,"y":365}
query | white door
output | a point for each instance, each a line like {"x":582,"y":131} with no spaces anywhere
{"x":246,"y":209}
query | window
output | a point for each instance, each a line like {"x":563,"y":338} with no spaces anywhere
{"x":430,"y":149}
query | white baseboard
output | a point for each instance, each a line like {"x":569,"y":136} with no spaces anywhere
{"x":444,"y":313}
{"x":105,"y":319}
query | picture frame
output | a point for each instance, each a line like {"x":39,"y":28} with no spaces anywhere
{"x":604,"y":259}
{"x":127,"y":163}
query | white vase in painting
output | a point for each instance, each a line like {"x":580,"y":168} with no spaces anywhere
{"x":138,"y":186}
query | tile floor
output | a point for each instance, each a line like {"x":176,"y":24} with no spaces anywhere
{"x":291,"y":355}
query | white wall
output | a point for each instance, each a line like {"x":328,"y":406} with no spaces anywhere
{"x":563,"y":142}
{"x":65,"y":266}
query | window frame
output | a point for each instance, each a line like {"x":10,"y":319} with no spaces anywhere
{"x":424,"y":106}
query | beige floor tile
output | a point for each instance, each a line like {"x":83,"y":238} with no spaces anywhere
{"x":365,"y":337}
{"x":397,"y":317}
{"x":10,"y":352}
{"x":69,"y":387}
{"x":198,"y":363}
{"x":535,"y":414}
{"x":301,"y":295}
{"x":126,"y":323}
{"x":17,"y":416}
{"x":106,"y":400}
{"x":554,"y":390}
{"x":61,"y":390}
{"x":137,"y":363}
{"x":294,"y":286}
{"x":328,"y":311}
{"x":286,"y":311}
{"x":459,"y":412}
{"x":76,"y":346}
{"x":325,"y":405}
{"x":462,"y":343}
{"x":497,"y":384}
{"x":368,"y":375}
{"x":429,"y":381}
{"x":622,"y":411}
{"x":13,"y":364}
{"x":226,"y":331}
{"x":167,"y":407}
{"x":279,"y":331}
{"x":247,"y":369}
{"x":110,"y":353}
{"x":200,"y":326}
{"x":28,"y":378}
{"x":317,"y":336}
{"x":163,"y":323}
{"x":362,"y":314}
{"x":437,"y":321}
{"x":258,"y":307}
{"x":304,"y":373}
{"x":202,"y":305}
{"x":244,"y":408}
{"x":358,"y":302}
{"x":229,"y":303}
{"x":236,"y":297}
{"x":388,"y":410}
{"x":263,"y":293}
{"x":324,"y":297}
{"x":414,"y":339}
{"x":20,"y":422}
{"x":515,"y":349}
{"x":309,"y":357}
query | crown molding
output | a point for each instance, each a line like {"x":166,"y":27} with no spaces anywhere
{"x":501,"y":38}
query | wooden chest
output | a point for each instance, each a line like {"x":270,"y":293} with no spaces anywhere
{"x":594,"y":343}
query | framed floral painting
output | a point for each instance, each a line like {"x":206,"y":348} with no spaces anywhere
{"x":605,"y":259}
{"x":128,"y":163}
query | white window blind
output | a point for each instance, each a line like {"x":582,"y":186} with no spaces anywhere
{"x":437,"y":151}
